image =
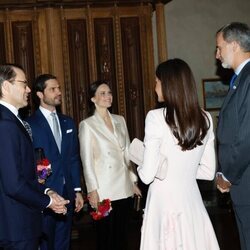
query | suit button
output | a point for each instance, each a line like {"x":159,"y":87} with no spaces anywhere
{"x":110,"y":167}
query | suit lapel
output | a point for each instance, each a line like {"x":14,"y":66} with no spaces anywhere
{"x":43,"y":122}
{"x":8,"y":115}
{"x":232,"y":92}
{"x":118,"y":133}
{"x":239,"y":83}
{"x":63,"y":125}
{"x":228,"y":97}
{"x":104,"y":129}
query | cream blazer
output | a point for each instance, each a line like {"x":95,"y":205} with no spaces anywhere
{"x":104,"y":157}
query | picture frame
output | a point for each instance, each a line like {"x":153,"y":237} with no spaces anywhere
{"x":214,"y":93}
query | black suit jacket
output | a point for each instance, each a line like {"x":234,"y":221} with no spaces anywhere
{"x":21,"y":196}
{"x":233,"y":134}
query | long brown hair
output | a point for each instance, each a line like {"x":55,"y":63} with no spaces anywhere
{"x":188,"y":122}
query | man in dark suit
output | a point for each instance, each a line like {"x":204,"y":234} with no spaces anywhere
{"x":233,"y":50}
{"x":57,"y":135}
{"x":22,"y":198}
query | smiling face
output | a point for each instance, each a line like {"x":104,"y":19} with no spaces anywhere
{"x":51,"y":96}
{"x":224,"y":51}
{"x":103,"y":96}
{"x":16,"y":90}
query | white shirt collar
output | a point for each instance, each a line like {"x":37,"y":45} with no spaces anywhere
{"x":241,"y":66}
{"x":13,"y":109}
{"x":46,"y":112}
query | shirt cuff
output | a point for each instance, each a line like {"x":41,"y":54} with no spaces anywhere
{"x":46,"y":190}
{"x":50,"y":202}
{"x":223,"y":177}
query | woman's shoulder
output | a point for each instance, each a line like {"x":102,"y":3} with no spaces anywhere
{"x":207,"y":115}
{"x":160,"y":112}
{"x":87,"y":120}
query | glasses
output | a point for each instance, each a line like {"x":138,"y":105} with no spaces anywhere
{"x":25,"y":82}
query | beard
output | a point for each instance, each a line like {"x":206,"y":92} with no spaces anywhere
{"x":226,"y":61}
{"x":53,"y":102}
{"x":225,"y":65}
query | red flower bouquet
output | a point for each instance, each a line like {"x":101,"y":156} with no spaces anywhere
{"x":103,"y":210}
{"x":43,"y":170}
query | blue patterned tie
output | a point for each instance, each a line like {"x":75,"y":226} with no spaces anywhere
{"x":26,"y":126}
{"x":232,"y":81}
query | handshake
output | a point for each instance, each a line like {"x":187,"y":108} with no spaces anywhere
{"x":57,"y":202}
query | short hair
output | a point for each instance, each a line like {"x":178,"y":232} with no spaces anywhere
{"x":7,"y":73}
{"x":40,"y":85}
{"x":238,"y":32}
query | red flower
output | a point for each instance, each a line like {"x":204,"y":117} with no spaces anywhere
{"x":43,"y":170}
{"x":103,"y":210}
{"x":44,"y":162}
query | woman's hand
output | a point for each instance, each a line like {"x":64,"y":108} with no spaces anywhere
{"x":93,"y":198}
{"x":137,"y":190}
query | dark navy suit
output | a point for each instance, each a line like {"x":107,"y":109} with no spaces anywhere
{"x":22,"y":198}
{"x":234,"y":149}
{"x":65,"y":173}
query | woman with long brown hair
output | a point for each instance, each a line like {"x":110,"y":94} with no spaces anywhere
{"x":181,"y":133}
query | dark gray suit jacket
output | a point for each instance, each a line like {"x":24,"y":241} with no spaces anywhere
{"x":233,"y":134}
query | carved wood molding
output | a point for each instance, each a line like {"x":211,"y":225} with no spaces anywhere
{"x":37,"y":52}
{"x":161,"y":33}
{"x":15,"y":4}
{"x":119,"y":67}
{"x":67,"y":80}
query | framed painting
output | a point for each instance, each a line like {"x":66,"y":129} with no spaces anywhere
{"x":214,"y":93}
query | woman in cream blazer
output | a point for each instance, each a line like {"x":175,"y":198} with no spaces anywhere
{"x":104,"y":143}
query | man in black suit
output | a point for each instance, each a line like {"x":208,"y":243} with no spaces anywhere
{"x":233,"y":50}
{"x":22,"y":198}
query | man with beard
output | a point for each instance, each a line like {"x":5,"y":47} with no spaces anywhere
{"x":233,"y":50}
{"x":56,"y":134}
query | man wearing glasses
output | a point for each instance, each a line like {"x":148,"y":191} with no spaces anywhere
{"x":22,"y":198}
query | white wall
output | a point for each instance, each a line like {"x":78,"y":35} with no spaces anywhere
{"x":191,"y":26}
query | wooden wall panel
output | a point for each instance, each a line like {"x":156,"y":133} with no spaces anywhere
{"x":105,"y":55}
{"x":82,"y":44}
{"x":2,"y":45}
{"x":79,"y":68}
{"x":24,"y":54}
{"x":23,"y":47}
{"x":130,"y":34}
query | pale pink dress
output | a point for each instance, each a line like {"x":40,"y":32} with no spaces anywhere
{"x":175,"y":216}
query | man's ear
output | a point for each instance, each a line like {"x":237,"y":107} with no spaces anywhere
{"x":39,"y":94}
{"x":236,"y":46}
{"x":5,"y":86}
